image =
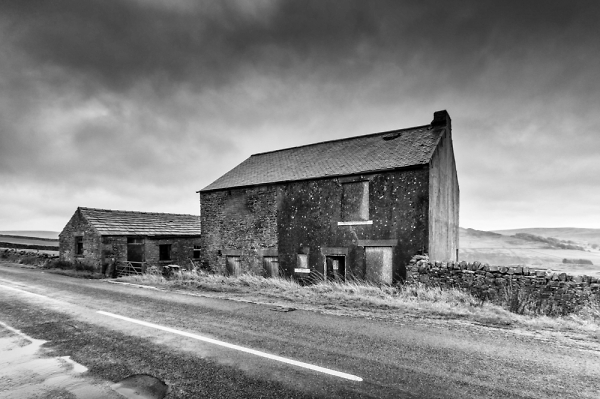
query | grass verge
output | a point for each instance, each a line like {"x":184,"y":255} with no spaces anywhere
{"x":357,"y":298}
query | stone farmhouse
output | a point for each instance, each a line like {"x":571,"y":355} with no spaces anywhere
{"x":358,"y":207}
{"x":105,"y":238}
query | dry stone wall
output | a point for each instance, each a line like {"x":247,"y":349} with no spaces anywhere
{"x":487,"y":281}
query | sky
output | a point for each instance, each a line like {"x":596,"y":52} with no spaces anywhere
{"x":138,"y":104}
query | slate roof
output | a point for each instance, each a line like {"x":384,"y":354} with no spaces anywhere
{"x":111,"y":222}
{"x":354,"y":155}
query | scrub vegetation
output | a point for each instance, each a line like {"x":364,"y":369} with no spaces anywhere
{"x":361,"y":299}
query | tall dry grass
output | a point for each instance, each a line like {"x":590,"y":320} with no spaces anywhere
{"x":354,"y":297}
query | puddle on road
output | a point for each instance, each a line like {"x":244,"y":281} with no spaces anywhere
{"x":141,"y":386}
{"x":26,"y":373}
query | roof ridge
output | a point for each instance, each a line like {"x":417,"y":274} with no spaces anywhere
{"x":343,"y":139}
{"x":137,"y":212}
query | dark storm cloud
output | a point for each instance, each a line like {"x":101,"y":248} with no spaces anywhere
{"x":119,"y":43}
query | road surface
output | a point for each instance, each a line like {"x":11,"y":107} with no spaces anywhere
{"x":215,"y":348}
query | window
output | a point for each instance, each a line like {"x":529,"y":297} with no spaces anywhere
{"x":302,"y":264}
{"x":302,"y":261}
{"x":79,"y":245}
{"x":196,"y":252}
{"x":164,"y":252}
{"x":355,"y":201}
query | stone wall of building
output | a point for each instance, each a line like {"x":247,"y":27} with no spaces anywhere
{"x":182,"y":251}
{"x":486,"y":281}
{"x":311,"y":221}
{"x":79,"y":227}
{"x":239,"y":222}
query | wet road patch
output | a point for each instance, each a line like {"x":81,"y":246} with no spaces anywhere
{"x":27,"y":371}
{"x":141,"y":386}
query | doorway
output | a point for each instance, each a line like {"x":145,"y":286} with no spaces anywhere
{"x":234,"y":266}
{"x":135,"y":254}
{"x":335,"y":268}
{"x":271,"y":266}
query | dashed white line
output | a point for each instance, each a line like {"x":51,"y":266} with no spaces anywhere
{"x":237,"y":347}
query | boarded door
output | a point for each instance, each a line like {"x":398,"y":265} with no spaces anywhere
{"x":379,"y":264}
{"x":234,"y":266}
{"x":271,"y":266}
{"x":336,"y":268}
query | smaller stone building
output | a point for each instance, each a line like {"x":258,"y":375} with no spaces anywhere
{"x":105,"y":238}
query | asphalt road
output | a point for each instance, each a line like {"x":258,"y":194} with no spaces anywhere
{"x":411,"y":359}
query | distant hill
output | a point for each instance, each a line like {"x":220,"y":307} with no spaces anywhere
{"x":580,"y":236}
{"x":29,"y":239}
{"x":32,"y":233}
{"x":529,"y":247}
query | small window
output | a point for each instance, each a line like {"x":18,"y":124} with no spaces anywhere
{"x":164,"y":252}
{"x":79,"y":245}
{"x":196,"y":252}
{"x":302,"y":261}
{"x":355,"y":201}
{"x":135,"y":240}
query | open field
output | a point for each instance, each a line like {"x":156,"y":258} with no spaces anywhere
{"x":53,"y":235}
{"x":589,"y":236}
{"x":503,"y":249}
{"x":13,"y":239}
{"x":39,"y":241}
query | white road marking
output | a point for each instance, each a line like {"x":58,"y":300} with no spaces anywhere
{"x":26,"y":292}
{"x":213,"y":341}
{"x":237,"y":347}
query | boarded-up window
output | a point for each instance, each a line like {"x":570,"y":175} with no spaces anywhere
{"x":196,"y":254}
{"x":271,"y":266}
{"x":164,"y":252}
{"x":302,"y":261}
{"x":379,"y":264}
{"x":355,"y":201}
{"x":234,"y":265}
{"x":78,"y":245}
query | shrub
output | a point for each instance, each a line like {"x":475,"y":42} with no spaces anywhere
{"x":68,"y":265}
{"x":82,"y":266}
{"x":59,"y":264}
{"x":29,"y":260}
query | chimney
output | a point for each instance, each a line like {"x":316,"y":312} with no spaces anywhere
{"x":441,"y":119}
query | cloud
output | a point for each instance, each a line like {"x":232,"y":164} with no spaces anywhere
{"x":139,"y":102}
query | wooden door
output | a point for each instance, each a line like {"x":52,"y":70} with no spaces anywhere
{"x":271,"y":266}
{"x":234,"y":266}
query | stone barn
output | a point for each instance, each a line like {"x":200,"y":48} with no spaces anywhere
{"x":358,"y":207}
{"x":129,"y":240}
